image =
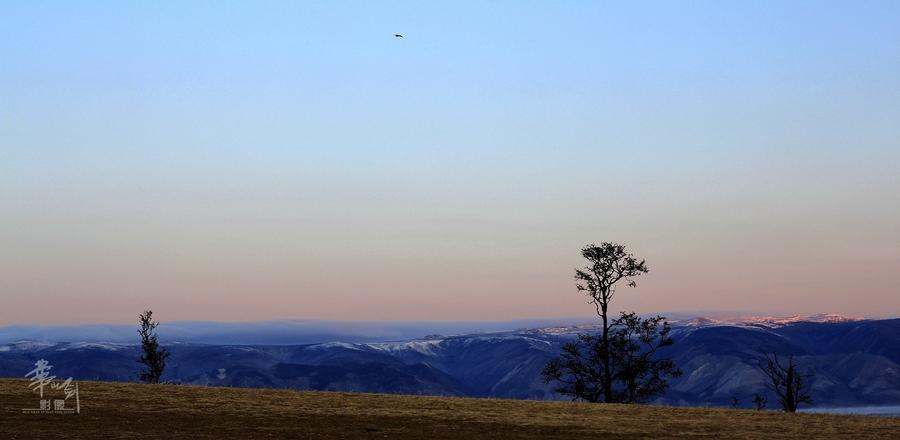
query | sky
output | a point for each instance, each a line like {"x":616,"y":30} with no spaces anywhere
{"x":277,"y":160}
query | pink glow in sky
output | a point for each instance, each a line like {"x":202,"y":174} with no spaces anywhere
{"x":295,"y":160}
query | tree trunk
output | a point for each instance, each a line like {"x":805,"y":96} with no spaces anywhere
{"x":790,"y":404}
{"x":607,"y":370}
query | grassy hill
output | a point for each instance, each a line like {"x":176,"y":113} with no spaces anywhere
{"x":132,"y":411}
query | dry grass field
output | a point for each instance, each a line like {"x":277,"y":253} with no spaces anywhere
{"x":131,"y":411}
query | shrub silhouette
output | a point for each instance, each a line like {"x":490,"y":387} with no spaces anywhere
{"x":153,"y":356}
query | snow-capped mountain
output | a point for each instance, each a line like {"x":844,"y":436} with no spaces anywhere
{"x":768,"y":321}
{"x":703,"y":321}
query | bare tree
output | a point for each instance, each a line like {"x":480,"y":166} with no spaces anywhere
{"x":634,"y":343}
{"x":620,"y":364}
{"x":609,"y":264}
{"x":152,"y":355}
{"x":790,"y":385}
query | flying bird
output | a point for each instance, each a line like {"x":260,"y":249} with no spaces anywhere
{"x":398,"y":36}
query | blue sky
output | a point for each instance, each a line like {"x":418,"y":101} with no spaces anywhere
{"x":238,"y":160}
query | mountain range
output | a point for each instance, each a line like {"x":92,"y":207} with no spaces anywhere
{"x":856,"y":361}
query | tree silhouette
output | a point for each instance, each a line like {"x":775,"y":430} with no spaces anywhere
{"x":152,"y":355}
{"x":759,"y":401}
{"x":790,"y":385}
{"x":621,"y":363}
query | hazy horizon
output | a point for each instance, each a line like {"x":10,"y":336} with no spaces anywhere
{"x":272,"y":160}
{"x":671,"y":315}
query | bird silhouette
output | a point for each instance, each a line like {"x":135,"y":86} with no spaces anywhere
{"x":398,"y":36}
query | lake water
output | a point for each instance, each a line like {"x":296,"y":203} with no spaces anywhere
{"x":887,"y":411}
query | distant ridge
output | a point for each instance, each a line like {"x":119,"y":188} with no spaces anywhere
{"x":290,"y":332}
{"x":770,"y":321}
